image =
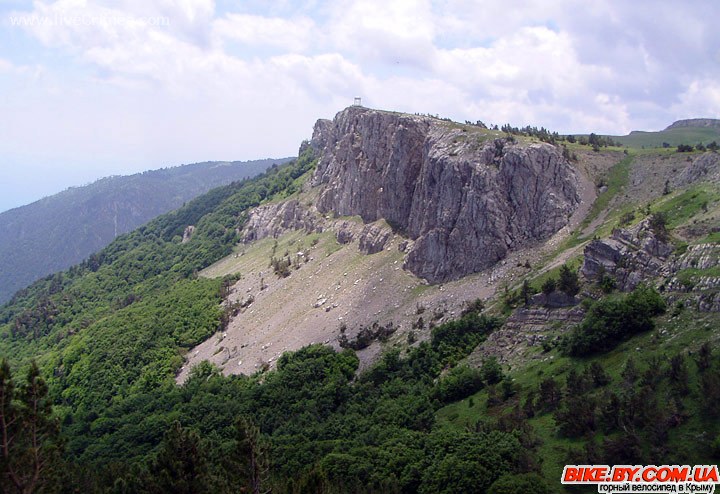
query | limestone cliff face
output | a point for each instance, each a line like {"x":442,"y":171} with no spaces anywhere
{"x":465,"y":197}
{"x":272,"y":220}
{"x":630,"y":255}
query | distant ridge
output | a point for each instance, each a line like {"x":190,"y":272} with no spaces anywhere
{"x":695,"y":122}
{"x":63,"y":229}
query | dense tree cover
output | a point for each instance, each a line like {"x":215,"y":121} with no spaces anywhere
{"x":308,"y":426}
{"x":118,"y":324}
{"x":635,"y":417}
{"x":29,"y":435}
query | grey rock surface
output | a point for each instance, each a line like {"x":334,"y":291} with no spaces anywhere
{"x":466,"y":199}
{"x":704,"y":167}
{"x":345,"y":234}
{"x":373,"y":239}
{"x":631,"y":256}
{"x":272,"y":220}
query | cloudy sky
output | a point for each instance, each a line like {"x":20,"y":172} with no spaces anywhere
{"x":90,"y":88}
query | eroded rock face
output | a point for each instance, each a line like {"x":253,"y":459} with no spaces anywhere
{"x":373,"y":239}
{"x":704,"y":167}
{"x":465,"y":199}
{"x":272,"y":220}
{"x":630,"y":255}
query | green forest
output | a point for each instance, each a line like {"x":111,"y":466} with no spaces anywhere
{"x":59,"y":231}
{"x":89,"y":403}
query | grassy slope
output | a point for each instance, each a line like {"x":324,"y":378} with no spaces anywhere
{"x":677,"y":332}
{"x":685,"y":135}
{"x":681,"y":333}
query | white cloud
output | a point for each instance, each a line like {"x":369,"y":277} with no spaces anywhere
{"x":293,"y":34}
{"x":249,"y":83}
{"x":6,"y":66}
{"x":378,"y":31}
{"x":701,"y":99}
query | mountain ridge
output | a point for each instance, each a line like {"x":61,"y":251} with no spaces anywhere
{"x":695,"y":122}
{"x":58,"y":231}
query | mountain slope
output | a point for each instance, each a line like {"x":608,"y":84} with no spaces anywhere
{"x":487,"y":383}
{"x":61,"y":230}
{"x":691,"y":132}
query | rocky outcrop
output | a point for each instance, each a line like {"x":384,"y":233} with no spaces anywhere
{"x":696,"y":270}
{"x":705,"y":167}
{"x":636,"y":255}
{"x":630,"y":256}
{"x":188,"y":233}
{"x":528,"y":327}
{"x":699,"y":256}
{"x":373,"y":239}
{"x":465,"y":198}
{"x":344,"y":233}
{"x":554,"y":300}
{"x":272,"y":220}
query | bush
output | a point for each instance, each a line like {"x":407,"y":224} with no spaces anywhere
{"x":461,"y":382}
{"x":684,"y":148}
{"x":517,"y":483}
{"x":611,"y":320}
{"x":492,"y":372}
{"x":455,"y":339}
{"x":548,"y":286}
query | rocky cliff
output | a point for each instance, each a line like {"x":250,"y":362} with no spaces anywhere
{"x":631,"y":256}
{"x":466,"y":198}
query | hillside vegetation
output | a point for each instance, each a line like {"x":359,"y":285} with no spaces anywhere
{"x":58,"y":231}
{"x":446,"y":406}
{"x":672,"y":137}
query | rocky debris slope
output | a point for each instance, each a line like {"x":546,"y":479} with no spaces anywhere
{"x":466,"y":199}
{"x":630,"y":256}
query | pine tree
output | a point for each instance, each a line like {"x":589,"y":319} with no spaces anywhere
{"x":252,"y":458}
{"x":180,"y":465}
{"x":28,"y":433}
{"x":548,"y":286}
{"x":568,"y":281}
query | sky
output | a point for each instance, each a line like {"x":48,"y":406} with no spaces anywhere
{"x":91,"y":88}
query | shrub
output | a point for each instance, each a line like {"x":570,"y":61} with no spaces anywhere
{"x":568,"y":281}
{"x":609,"y":321}
{"x":492,"y":372}
{"x":461,"y":382}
